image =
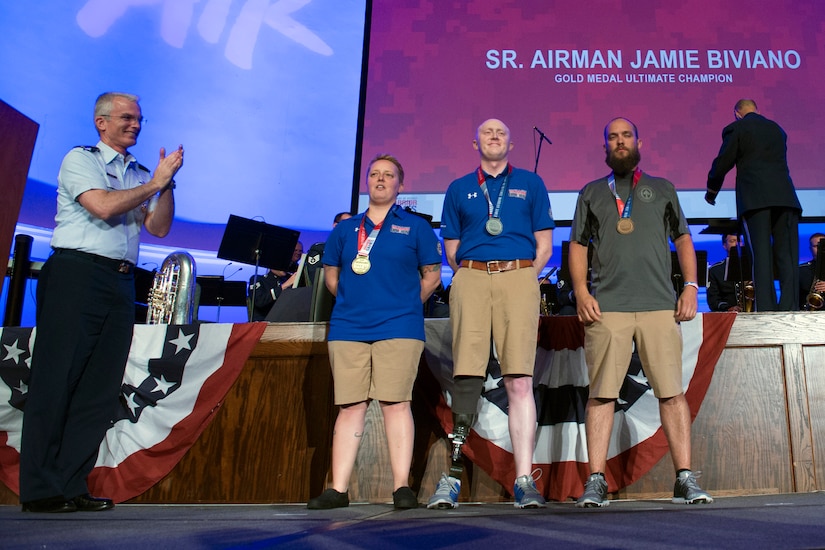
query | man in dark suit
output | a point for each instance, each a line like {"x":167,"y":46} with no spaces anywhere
{"x":765,"y":200}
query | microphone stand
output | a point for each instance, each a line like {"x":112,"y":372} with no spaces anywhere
{"x":221,"y":297}
{"x":542,"y":138}
{"x":256,"y":279}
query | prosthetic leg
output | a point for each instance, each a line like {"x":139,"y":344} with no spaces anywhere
{"x":461,"y":430}
{"x":466,"y":390}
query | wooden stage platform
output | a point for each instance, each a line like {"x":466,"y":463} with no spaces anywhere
{"x":761,"y":427}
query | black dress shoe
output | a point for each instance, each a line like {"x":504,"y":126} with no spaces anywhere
{"x":88,"y":503}
{"x":51,"y":505}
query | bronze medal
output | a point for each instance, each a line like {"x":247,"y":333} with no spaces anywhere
{"x":625,"y":226}
{"x":494,"y":226}
{"x":361,"y":264}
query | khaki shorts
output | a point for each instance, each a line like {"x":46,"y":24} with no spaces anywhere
{"x":608,"y":345}
{"x":504,"y":305}
{"x":384,"y":370}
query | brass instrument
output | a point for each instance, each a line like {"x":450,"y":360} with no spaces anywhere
{"x":547,"y":302}
{"x":737,"y":269}
{"x":544,"y":306}
{"x":745,"y":296}
{"x":815,"y":300}
{"x":172,"y":297}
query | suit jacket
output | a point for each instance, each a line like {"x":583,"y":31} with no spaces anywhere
{"x":757,"y":147}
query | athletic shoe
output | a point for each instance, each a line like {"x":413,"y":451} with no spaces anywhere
{"x":687,"y":491}
{"x":595,"y":493}
{"x":526,"y":494}
{"x":446,"y":494}
{"x":328,"y":500}
{"x":404,"y":499}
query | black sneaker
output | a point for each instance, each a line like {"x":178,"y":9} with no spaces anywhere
{"x":404,"y":499}
{"x":328,"y":500}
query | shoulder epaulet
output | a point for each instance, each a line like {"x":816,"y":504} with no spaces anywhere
{"x":90,"y":148}
{"x":142,"y":167}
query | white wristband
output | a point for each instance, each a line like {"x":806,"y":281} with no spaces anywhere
{"x":694,"y":285}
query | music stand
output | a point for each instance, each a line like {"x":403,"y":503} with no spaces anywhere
{"x":819,"y":264}
{"x":216,"y":291}
{"x":676,"y":270}
{"x":738,"y":268}
{"x":564,"y":271}
{"x":258,"y":243}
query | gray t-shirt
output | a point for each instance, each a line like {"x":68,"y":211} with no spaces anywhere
{"x":630,"y":272}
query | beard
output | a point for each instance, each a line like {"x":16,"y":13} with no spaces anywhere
{"x":622,"y":166}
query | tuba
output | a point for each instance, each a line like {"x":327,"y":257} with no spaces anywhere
{"x":172,"y":297}
{"x":815,"y":300}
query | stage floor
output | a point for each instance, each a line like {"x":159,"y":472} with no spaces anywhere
{"x":763,"y":521}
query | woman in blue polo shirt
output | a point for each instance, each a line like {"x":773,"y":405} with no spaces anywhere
{"x":381,"y":265}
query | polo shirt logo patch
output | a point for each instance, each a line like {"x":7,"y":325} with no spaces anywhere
{"x":646,"y":193}
{"x":403,"y":230}
{"x":517,"y":193}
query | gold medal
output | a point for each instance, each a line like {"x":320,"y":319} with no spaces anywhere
{"x":361,"y":264}
{"x":625,"y":226}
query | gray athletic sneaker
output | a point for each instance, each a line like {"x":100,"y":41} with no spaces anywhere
{"x":527,"y":496}
{"x":687,"y":491}
{"x":595,"y":493}
{"x":446,"y":493}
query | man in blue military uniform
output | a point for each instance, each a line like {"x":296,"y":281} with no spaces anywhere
{"x":86,"y":305}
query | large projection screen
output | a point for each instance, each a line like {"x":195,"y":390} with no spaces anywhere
{"x":437,"y":69}
{"x":263,"y":95}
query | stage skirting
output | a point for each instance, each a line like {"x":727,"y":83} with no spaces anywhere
{"x":212,"y":413}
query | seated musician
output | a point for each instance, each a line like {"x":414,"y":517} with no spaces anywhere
{"x":721,"y":293}
{"x":267,"y":288}
{"x":316,"y":251}
{"x":806,"y":274}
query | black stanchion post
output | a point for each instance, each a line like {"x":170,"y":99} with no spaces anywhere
{"x":21,"y":269}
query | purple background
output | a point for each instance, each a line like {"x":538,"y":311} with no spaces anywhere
{"x":429,"y":87}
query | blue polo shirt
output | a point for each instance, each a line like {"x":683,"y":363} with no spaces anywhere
{"x":525,"y":209}
{"x":385,"y":302}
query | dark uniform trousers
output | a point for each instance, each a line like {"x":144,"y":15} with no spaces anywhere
{"x":782,"y":250}
{"x":85,"y":318}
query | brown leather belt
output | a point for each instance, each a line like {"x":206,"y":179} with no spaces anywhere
{"x":496,"y":266}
